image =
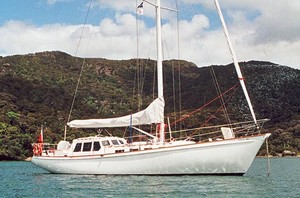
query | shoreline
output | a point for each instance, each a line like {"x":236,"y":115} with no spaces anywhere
{"x":271,"y":156}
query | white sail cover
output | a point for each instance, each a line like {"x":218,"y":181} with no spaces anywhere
{"x":154,"y":113}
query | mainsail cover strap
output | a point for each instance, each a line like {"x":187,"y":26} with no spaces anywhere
{"x":154,"y":113}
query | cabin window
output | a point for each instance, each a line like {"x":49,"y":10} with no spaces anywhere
{"x":77,"y":147}
{"x":87,"y":146}
{"x":121,"y":141}
{"x":97,"y":146}
{"x":115,"y":142}
{"x":105,"y":143}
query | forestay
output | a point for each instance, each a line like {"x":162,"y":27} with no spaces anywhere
{"x":154,"y":113}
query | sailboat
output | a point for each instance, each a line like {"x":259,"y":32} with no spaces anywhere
{"x":232,"y":153}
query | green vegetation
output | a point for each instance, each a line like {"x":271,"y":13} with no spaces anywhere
{"x":38,"y":89}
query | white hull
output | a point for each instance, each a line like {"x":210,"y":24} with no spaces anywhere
{"x":225,"y":157}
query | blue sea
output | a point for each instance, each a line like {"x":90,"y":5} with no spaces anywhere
{"x":23,"y":179}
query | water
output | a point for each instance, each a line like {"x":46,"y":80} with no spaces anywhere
{"x":23,"y":179}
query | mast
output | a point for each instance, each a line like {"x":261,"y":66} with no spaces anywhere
{"x":235,"y":62}
{"x":159,"y":65}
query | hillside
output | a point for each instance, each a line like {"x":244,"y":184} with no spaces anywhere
{"x":38,"y":89}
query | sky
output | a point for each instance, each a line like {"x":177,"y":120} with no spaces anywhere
{"x":261,"y":30}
